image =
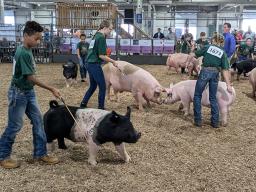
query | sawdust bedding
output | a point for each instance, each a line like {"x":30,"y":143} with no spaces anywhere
{"x":172,"y":154}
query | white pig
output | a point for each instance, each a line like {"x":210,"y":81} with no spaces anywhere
{"x":130,"y":78}
{"x":184,"y":92}
{"x":252,"y":79}
{"x":178,"y":60}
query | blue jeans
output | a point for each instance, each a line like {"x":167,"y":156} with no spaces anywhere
{"x":242,"y":58}
{"x":96,"y":78}
{"x":20,"y":103}
{"x":212,"y":77}
{"x":82,"y":67}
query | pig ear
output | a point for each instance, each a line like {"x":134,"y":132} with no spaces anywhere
{"x":171,"y":85}
{"x":114,"y":116}
{"x":128,"y":113}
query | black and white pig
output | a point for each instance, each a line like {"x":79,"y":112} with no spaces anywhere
{"x":93,"y":125}
{"x":70,"y":72}
{"x":244,"y":67}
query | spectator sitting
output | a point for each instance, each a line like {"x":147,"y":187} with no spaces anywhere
{"x":158,"y":35}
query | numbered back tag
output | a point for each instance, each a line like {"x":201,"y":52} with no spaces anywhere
{"x":215,"y":51}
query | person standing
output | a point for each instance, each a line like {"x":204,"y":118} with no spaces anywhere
{"x":96,"y":55}
{"x":158,"y":34}
{"x":230,"y":42}
{"x":245,"y":51}
{"x":202,"y":41}
{"x":215,"y":59}
{"x":22,"y":100}
{"x":81,"y":50}
{"x":171,"y":35}
{"x":187,"y":41}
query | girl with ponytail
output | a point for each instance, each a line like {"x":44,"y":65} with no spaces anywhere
{"x":97,"y":53}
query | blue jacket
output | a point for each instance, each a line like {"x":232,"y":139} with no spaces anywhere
{"x":229,"y":44}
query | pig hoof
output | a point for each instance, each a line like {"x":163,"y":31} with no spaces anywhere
{"x":63,"y":147}
{"x":186,"y":114}
{"x":127,"y":159}
{"x":224,"y":124}
{"x":92,"y":162}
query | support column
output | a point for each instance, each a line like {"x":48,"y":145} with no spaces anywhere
{"x":1,"y":11}
{"x":240,"y":18}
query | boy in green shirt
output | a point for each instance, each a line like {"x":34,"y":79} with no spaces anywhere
{"x":202,"y":41}
{"x":82,"y":49}
{"x":22,"y":100}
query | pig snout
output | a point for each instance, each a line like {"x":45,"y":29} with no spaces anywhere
{"x":159,"y":100}
{"x":168,"y":99}
{"x":135,"y":137}
{"x":138,"y":135}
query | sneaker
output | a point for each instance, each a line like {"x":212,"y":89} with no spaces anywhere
{"x":9,"y":164}
{"x":215,"y":125}
{"x":83,"y":105}
{"x":49,"y":159}
{"x":198,"y":124}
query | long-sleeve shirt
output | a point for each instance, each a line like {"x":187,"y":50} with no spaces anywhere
{"x":230,"y":44}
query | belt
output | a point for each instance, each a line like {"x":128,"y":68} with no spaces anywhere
{"x":211,"y":68}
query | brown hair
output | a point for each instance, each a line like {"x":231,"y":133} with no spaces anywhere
{"x":202,"y":34}
{"x":104,"y":23}
{"x":218,"y":39}
{"x":228,"y":25}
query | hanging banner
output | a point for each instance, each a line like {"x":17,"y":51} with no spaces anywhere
{"x":125,"y":45}
{"x":168,"y":46}
{"x":111,"y":43}
{"x":135,"y":46}
{"x":158,"y":46}
{"x":145,"y":46}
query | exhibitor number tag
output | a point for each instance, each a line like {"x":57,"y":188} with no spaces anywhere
{"x":215,"y":51}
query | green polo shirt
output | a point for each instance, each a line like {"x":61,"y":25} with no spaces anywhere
{"x":83,"y":48}
{"x":185,"y":48}
{"x":23,"y":65}
{"x":98,"y":46}
{"x":245,"y":50}
{"x":201,"y":43}
{"x":214,"y":56}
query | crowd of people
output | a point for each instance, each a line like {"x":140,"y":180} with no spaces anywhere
{"x":239,"y":45}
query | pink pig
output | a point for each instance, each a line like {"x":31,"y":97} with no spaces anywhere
{"x":130,"y":78}
{"x":178,"y":60}
{"x":252,"y":79}
{"x":184,"y":92}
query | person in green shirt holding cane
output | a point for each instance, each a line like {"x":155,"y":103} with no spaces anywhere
{"x":96,"y":55}
{"x":215,"y":59}
{"x":22,"y":100}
